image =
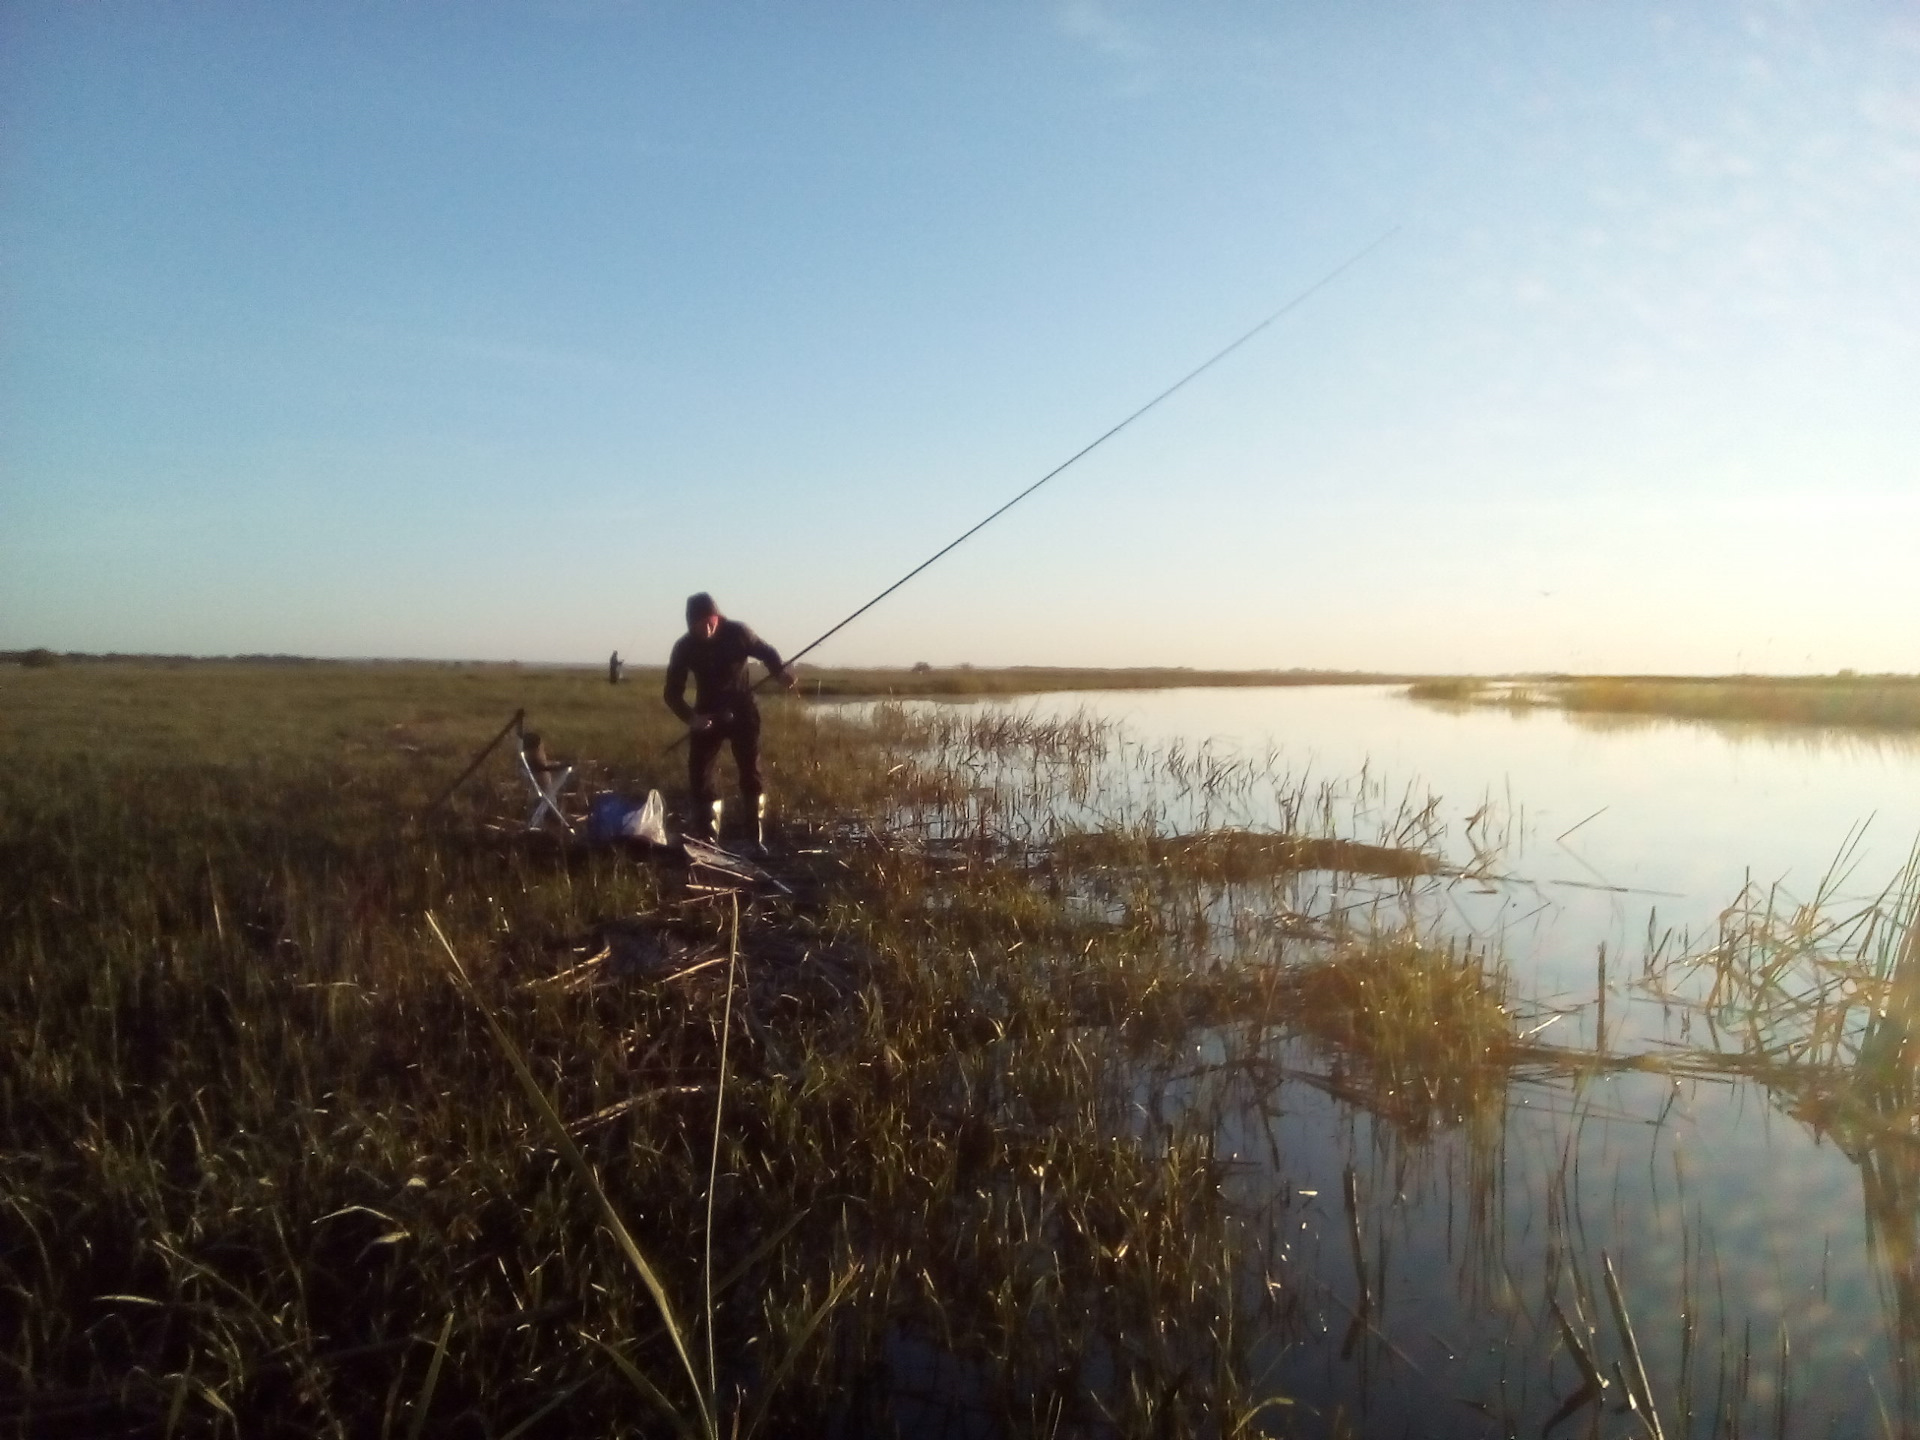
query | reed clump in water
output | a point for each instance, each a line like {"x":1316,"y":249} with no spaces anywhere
{"x":1227,"y":856}
{"x":1454,"y":689}
{"x":1426,"y":1037}
{"x":1880,"y":702}
{"x":1877,"y":703}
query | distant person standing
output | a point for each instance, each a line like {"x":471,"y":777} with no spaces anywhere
{"x":615,"y":665}
{"x":715,"y":651}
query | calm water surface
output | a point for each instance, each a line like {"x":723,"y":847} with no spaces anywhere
{"x":1772,"y":1270}
{"x":1610,"y":823}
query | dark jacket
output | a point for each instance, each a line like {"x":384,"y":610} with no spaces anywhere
{"x":719,"y":669}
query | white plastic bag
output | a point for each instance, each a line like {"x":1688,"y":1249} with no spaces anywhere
{"x":615,"y":817}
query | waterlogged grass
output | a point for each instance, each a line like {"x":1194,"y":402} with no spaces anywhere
{"x":1229,"y":855}
{"x":1454,"y":689}
{"x":272,"y":1167}
{"x":1818,"y":999}
{"x":325,"y":1114}
{"x":1427,"y":1038}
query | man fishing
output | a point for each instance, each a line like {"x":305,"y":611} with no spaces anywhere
{"x":715,"y":652}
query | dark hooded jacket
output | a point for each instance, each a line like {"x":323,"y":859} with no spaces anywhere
{"x":718,"y":665}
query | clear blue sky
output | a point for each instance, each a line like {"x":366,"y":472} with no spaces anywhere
{"x":492,"y":331}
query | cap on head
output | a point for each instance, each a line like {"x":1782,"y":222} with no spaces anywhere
{"x":700,"y":606}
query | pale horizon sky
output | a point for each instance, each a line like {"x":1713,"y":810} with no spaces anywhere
{"x":490,"y":331}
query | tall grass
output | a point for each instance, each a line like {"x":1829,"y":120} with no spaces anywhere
{"x":269,"y":1170}
{"x":1883,"y":702}
{"x":942,"y":1133}
{"x":1876,"y":704}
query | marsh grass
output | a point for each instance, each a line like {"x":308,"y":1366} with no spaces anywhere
{"x":1426,"y":1038}
{"x":1874,"y":703}
{"x":268,"y":1170}
{"x":952,"y":1106}
{"x":1226,"y":856}
{"x":1883,"y":702}
{"x":1455,"y":689}
{"x":1816,"y":986}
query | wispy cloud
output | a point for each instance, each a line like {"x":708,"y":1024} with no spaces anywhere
{"x":1103,"y":31}
{"x":1094,"y":25}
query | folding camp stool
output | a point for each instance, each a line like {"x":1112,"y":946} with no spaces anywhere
{"x":548,"y":778}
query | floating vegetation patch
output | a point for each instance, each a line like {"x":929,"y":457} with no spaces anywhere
{"x":1425,"y":1037}
{"x":1230,"y":856}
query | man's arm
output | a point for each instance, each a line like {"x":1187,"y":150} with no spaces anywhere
{"x":676,"y":691}
{"x":769,"y":657}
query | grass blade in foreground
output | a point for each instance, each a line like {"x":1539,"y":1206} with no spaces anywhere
{"x":557,"y":1129}
{"x":424,"y":1400}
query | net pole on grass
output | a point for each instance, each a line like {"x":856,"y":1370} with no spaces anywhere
{"x":513,"y":724}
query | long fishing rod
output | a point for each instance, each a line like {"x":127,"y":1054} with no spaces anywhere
{"x":1087,"y":449}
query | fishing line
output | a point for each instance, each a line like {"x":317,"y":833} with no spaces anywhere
{"x":1085,"y":450}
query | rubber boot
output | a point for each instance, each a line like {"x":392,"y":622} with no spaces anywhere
{"x":760,"y":823}
{"x":704,"y":824}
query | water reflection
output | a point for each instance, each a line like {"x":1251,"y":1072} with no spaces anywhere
{"x":1805,"y":739}
{"x":1669,"y":1069}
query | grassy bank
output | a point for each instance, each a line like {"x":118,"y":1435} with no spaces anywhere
{"x":828,"y":682}
{"x":268,"y":1169}
{"x":1883,"y":702}
{"x":1889,"y":703}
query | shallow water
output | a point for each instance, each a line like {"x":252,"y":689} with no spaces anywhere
{"x":1612,"y":824}
{"x":1770,"y":1272}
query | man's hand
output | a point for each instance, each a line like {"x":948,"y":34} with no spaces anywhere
{"x":700,"y":724}
{"x":789,"y":681}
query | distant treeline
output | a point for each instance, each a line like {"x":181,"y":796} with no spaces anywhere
{"x":42,"y":658}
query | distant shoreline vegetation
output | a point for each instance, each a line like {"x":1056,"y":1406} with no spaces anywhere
{"x":1873,"y":702}
{"x":833,"y":682}
{"x":967,"y":680}
{"x":1884,"y":701}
